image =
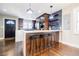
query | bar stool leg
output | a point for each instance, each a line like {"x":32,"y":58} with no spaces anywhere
{"x":43,"y":43}
{"x":30,"y":47}
{"x":33,"y":48}
{"x":40,"y":45}
{"x":35,"y":45}
{"x":48,"y":44}
{"x":51,"y":41}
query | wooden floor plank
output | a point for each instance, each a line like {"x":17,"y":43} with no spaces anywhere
{"x":15,"y":49}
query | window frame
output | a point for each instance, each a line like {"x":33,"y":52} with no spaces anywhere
{"x":75,"y":19}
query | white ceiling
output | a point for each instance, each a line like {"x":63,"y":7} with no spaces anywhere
{"x":19,"y":9}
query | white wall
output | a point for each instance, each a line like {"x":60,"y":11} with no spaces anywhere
{"x":19,"y":35}
{"x":1,"y":29}
{"x":68,"y":35}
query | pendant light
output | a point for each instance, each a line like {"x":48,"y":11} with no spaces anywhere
{"x":29,"y":10}
{"x":51,"y":16}
{"x":30,"y":13}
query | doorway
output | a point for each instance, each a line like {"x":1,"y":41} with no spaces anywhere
{"x":10,"y":29}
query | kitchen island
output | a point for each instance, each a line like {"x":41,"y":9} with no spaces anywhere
{"x":26,"y":37}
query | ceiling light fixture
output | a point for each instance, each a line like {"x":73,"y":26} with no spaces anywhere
{"x":29,"y":10}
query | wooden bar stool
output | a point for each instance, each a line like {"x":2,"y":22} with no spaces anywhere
{"x":41,"y":43}
{"x":33,"y":43}
{"x":48,"y":41}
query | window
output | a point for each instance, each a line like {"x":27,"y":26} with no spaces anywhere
{"x":10,"y":22}
{"x":27,"y":25}
{"x":76,"y":20}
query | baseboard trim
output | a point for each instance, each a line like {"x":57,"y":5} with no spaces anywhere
{"x":69,"y":44}
{"x":18,"y":41}
{"x":1,"y":38}
{"x":9,"y":38}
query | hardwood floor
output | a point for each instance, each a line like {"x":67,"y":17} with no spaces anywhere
{"x":61,"y":50}
{"x":65,"y":50}
{"x":15,"y":49}
{"x":10,"y":48}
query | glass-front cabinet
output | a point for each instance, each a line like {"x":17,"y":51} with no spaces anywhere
{"x":56,"y":21}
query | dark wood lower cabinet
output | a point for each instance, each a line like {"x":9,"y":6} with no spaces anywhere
{"x":38,"y":44}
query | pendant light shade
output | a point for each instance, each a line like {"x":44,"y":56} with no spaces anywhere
{"x":30,"y":14}
{"x":29,"y":10}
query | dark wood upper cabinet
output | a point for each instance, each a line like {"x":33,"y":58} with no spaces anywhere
{"x":43,"y":21}
{"x":54,"y":23}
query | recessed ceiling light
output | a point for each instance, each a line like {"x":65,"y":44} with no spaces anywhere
{"x":4,"y":10}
